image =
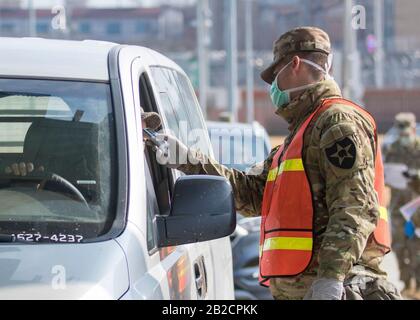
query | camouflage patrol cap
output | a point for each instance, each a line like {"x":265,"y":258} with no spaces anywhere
{"x":152,"y":119}
{"x":302,"y":39}
{"x":405,"y":121}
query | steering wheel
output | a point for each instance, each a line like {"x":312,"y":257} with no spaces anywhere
{"x":49,"y":177}
{"x":53,"y":177}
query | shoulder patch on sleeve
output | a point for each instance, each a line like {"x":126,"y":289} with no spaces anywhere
{"x":340,"y":145}
{"x":346,"y":145}
{"x":336,"y":133}
{"x":342,"y":154}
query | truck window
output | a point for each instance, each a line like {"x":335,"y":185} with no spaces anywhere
{"x":162,"y":177}
{"x":180,"y":104}
{"x":161,"y":80}
{"x":192,"y":108}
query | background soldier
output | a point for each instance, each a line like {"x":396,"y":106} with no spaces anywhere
{"x":339,"y":148}
{"x":415,"y":185}
{"x":413,"y":239}
{"x":405,"y":150}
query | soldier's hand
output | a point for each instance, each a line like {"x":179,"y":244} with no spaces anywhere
{"x":171,"y":152}
{"x":21,"y":169}
{"x":325,"y":289}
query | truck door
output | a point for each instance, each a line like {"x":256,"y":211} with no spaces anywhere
{"x":179,"y":104}
{"x":172,"y":107}
{"x":221,"y":248}
{"x":181,"y":270}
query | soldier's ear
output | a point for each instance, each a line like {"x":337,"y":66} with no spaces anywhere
{"x":296,"y":63}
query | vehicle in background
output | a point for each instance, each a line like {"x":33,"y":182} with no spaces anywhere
{"x":391,"y":136}
{"x":239,"y":145}
{"x":233,"y":144}
{"x":92,"y":215}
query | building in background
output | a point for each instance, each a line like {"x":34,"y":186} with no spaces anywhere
{"x":171,"y":28}
{"x":407,"y":25}
{"x":163,"y":28}
{"x":11,"y":3}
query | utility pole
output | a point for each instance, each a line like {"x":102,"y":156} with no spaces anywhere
{"x":202,"y":44}
{"x":232,"y":55}
{"x":32,"y":18}
{"x":351,"y":61}
{"x":249,"y":39}
{"x":69,"y":11}
{"x":379,"y":34}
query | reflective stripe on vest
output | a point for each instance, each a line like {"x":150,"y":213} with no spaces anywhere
{"x":383,"y":213}
{"x":293,"y":243}
{"x":287,"y":243}
{"x":283,"y":243}
{"x":286,"y":240}
{"x":286,"y":166}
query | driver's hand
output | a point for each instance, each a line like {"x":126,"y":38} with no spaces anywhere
{"x":22,"y":169}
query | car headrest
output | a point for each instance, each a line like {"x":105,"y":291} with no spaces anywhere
{"x":64,"y":147}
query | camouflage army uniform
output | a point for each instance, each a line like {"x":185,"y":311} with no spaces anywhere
{"x":415,"y":185}
{"x":346,"y":207}
{"x":416,"y":218}
{"x":407,"y":250}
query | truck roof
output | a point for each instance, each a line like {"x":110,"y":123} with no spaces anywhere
{"x":46,"y":58}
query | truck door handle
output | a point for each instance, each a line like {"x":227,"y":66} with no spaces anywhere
{"x":200,"y":277}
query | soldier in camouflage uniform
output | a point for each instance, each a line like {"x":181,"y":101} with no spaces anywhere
{"x":415,"y":186}
{"x":405,"y":150}
{"x":416,"y":219}
{"x":414,"y":241}
{"x":345,"y":257}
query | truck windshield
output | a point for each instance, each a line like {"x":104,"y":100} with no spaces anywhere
{"x":57,"y":160}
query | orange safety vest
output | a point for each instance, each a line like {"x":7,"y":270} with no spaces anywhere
{"x":286,"y":241}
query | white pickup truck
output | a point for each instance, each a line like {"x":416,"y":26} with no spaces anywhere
{"x":87,"y":212}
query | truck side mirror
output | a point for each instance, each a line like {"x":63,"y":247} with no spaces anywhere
{"x":202,"y":209}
